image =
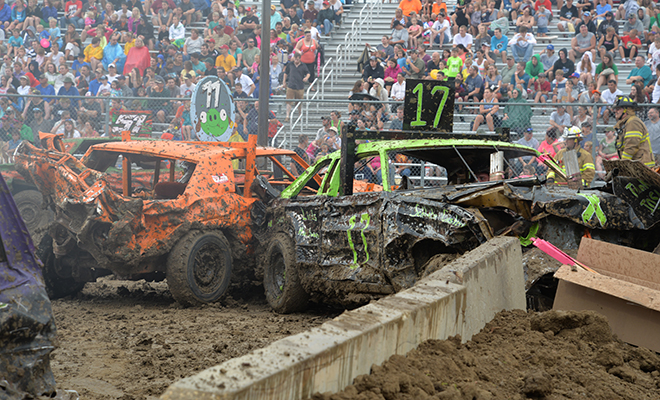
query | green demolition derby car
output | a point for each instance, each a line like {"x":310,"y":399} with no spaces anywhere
{"x":393,"y":210}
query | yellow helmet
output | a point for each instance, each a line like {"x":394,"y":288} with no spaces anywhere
{"x":572,"y":133}
{"x":434,"y":74}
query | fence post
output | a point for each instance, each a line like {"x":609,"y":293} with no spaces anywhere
{"x":106,"y":107}
{"x":594,"y":136}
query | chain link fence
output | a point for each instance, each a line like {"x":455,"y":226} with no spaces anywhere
{"x":23,"y":117}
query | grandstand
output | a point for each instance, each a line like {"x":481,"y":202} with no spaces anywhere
{"x":366,"y":23}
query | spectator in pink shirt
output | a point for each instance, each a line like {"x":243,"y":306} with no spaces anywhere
{"x":393,"y":69}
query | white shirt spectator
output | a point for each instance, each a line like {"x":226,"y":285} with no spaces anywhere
{"x":655,"y":97}
{"x":529,"y":39}
{"x":437,"y":25}
{"x":59,"y":80}
{"x":398,"y":91}
{"x":73,"y":48}
{"x":464,"y":40}
{"x":246,"y":83}
{"x":610,"y":97}
{"x":177,"y":32}
{"x":120,"y":12}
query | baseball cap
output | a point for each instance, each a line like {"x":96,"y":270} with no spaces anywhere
{"x":224,"y":46}
{"x":112,"y":65}
{"x":24,"y":77}
{"x":272,"y":7}
{"x":248,"y":9}
{"x":211,"y":40}
{"x":209,"y":60}
{"x":37,"y":109}
{"x":575,"y":75}
{"x":121,"y":77}
{"x":587,"y":14}
{"x":550,"y":47}
{"x":632,"y":16}
{"x":104,"y":78}
{"x":373,"y":58}
{"x":326,"y":3}
{"x":332,"y":128}
{"x":159,"y":79}
{"x":68,"y":80}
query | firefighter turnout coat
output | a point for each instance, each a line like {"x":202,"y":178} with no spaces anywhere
{"x":585,"y":162}
{"x":633,"y":141}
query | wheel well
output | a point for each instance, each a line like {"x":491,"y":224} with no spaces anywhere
{"x":424,"y":250}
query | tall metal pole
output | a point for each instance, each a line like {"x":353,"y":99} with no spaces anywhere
{"x":264,"y":74}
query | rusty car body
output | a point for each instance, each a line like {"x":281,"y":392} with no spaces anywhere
{"x":192,"y":222}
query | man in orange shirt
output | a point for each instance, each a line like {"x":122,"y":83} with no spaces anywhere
{"x":408,"y":6}
{"x":439,"y":5}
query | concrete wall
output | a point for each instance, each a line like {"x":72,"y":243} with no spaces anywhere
{"x":458,"y":299}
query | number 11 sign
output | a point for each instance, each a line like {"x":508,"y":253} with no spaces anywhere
{"x":428,"y":106}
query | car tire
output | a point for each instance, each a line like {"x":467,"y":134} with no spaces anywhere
{"x":29,"y":204}
{"x":199,"y":268}
{"x":56,"y":285}
{"x":282,"y":285}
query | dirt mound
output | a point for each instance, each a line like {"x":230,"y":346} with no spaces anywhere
{"x":518,"y":355}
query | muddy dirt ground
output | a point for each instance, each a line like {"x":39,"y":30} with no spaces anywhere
{"x":518,"y":355}
{"x":131,"y":340}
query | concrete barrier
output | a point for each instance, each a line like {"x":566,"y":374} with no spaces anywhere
{"x":458,"y":299}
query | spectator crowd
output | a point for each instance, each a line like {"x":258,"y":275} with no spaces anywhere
{"x":489,"y":51}
{"x":146,"y":50}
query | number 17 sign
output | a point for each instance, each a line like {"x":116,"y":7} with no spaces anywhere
{"x":428,"y":106}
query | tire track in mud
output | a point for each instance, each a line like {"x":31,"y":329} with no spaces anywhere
{"x":130,"y":340}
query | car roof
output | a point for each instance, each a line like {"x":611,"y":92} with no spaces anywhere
{"x":425,"y":143}
{"x":189,"y":151}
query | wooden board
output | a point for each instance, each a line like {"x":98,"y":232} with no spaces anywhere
{"x":631,"y":265}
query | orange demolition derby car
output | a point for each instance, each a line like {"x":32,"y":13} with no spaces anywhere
{"x":192,"y":223}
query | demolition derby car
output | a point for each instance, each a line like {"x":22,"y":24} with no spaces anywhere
{"x":431,"y":200}
{"x":26,"y":194}
{"x":191,"y":221}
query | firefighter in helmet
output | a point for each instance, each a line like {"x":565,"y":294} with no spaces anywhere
{"x":572,"y":136}
{"x":632,"y":140}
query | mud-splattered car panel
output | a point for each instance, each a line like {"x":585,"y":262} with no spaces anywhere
{"x":128,"y":232}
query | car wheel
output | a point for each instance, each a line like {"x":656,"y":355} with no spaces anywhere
{"x":56,"y":285}
{"x":282,"y":285}
{"x":29,"y":204}
{"x":199,"y":268}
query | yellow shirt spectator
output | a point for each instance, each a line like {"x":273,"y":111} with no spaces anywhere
{"x":228,"y":62}
{"x":92,"y":51}
{"x":129,"y":46}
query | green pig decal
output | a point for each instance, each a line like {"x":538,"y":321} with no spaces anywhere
{"x":214,"y":122}
{"x":212,"y":110}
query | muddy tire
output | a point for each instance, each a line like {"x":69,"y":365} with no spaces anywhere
{"x":199,"y":268}
{"x":281,"y":282}
{"x":29,"y":206}
{"x":56,"y":286}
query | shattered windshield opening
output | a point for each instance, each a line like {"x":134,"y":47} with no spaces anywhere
{"x":431,"y":167}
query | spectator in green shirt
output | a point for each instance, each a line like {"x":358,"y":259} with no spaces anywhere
{"x":454,"y":64}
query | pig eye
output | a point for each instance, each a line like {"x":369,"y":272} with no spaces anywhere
{"x":202,"y":117}
{"x":223,"y":115}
